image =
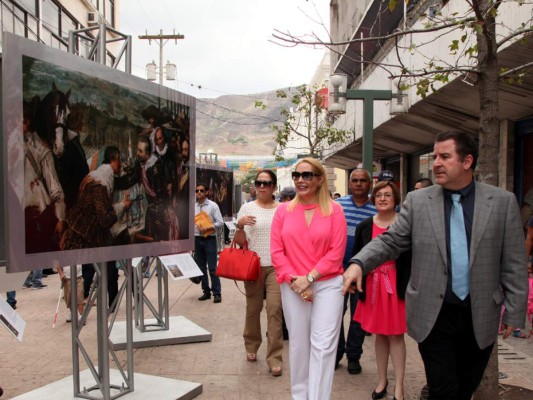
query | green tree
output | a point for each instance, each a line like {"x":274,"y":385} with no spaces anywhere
{"x":305,"y":127}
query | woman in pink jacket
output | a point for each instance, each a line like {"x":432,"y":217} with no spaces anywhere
{"x":308,"y":239}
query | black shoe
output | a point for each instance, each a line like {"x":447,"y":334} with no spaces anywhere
{"x":380,"y":395}
{"x":37,"y":287}
{"x":218,"y":299}
{"x":205,"y":296}
{"x":354,"y":368}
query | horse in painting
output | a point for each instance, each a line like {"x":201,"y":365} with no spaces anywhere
{"x":51,"y":121}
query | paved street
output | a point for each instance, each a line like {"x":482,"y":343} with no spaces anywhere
{"x":44,"y":356}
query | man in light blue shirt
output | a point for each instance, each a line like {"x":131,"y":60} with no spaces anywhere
{"x":205,"y":244}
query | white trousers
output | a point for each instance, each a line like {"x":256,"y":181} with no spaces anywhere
{"x":313,"y":337}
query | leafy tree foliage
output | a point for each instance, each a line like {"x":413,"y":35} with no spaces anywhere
{"x":305,"y":128}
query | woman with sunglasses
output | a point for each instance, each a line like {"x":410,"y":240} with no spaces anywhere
{"x":254,"y":221}
{"x":381,"y":306}
{"x":307,"y":242}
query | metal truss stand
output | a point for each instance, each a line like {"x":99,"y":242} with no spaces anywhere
{"x":159,"y":329}
{"x":160,"y":312}
{"x":98,"y":293}
{"x":102,"y":382}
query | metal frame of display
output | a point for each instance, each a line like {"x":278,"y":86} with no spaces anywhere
{"x":160,"y":311}
{"x":98,"y":294}
{"x":99,"y":289}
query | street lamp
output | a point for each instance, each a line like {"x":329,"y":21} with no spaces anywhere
{"x":339,"y":94}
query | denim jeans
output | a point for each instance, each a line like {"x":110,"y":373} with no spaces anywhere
{"x":35,"y":278}
{"x":353,"y":344}
{"x":11,"y":298}
{"x":205,"y":255}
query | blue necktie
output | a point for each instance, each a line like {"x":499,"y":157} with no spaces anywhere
{"x":459,"y":249}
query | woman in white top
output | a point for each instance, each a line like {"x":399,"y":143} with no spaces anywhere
{"x":253,"y":224}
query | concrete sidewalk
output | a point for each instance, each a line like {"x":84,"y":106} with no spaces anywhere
{"x":44,"y":356}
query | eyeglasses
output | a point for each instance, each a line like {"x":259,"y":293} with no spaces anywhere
{"x":306,"y":175}
{"x":385,"y":195}
{"x":200,"y":191}
{"x":359,"y":180}
{"x":263,"y":183}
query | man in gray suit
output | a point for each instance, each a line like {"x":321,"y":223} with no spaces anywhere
{"x":454,"y":313}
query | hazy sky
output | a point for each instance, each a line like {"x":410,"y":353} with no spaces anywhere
{"x":226,"y":48}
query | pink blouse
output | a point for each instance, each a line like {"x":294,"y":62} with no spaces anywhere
{"x":297,"y":248}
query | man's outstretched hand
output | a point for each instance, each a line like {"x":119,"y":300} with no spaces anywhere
{"x":353,"y":279}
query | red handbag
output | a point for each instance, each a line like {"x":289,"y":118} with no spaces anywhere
{"x":239,"y":264}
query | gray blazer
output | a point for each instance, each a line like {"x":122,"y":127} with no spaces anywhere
{"x":498,"y":270}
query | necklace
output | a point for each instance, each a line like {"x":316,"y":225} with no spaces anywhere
{"x":309,"y":206}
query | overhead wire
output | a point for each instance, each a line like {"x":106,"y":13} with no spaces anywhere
{"x":194,"y":85}
{"x":267,"y":119}
{"x":239,"y":112}
{"x":169,"y":14}
{"x":233,"y":121}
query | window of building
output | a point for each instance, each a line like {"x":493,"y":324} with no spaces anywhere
{"x":32,"y":27}
{"x":67,"y":24}
{"x":28,"y":5}
{"x":19,"y":25}
{"x":50,"y":16}
{"x":7,"y":18}
{"x":110,"y":11}
{"x":422,"y":166}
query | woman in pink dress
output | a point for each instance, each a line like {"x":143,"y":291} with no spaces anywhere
{"x":381,"y":307}
{"x":308,"y":239}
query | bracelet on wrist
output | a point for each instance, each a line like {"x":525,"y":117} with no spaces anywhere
{"x":239,"y":227}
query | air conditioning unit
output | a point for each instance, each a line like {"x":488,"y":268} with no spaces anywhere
{"x":93,"y":19}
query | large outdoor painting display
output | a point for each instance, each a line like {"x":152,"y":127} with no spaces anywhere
{"x":220,"y":183}
{"x":97,"y":161}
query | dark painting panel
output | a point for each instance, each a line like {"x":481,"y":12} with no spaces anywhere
{"x":220,"y":183}
{"x":98,"y":161}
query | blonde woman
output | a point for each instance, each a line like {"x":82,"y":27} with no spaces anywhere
{"x":307,"y":242}
{"x":254,"y":221}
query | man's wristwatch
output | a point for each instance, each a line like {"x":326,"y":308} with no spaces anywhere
{"x":310,"y":278}
{"x":239,"y":227}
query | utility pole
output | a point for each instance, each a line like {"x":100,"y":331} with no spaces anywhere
{"x":163,"y":39}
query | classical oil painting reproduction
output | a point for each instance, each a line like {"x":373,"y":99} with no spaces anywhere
{"x":220,"y":183}
{"x":98,"y":161}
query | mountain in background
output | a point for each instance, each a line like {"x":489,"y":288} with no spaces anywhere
{"x":232,"y":125}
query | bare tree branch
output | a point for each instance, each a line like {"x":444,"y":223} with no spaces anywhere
{"x":288,"y":38}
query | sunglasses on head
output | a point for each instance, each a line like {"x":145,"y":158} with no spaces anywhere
{"x":200,"y":191}
{"x":263,"y":183}
{"x":306,"y":175}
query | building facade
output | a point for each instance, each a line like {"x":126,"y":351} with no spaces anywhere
{"x":403,"y":143}
{"x":49,"y":21}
